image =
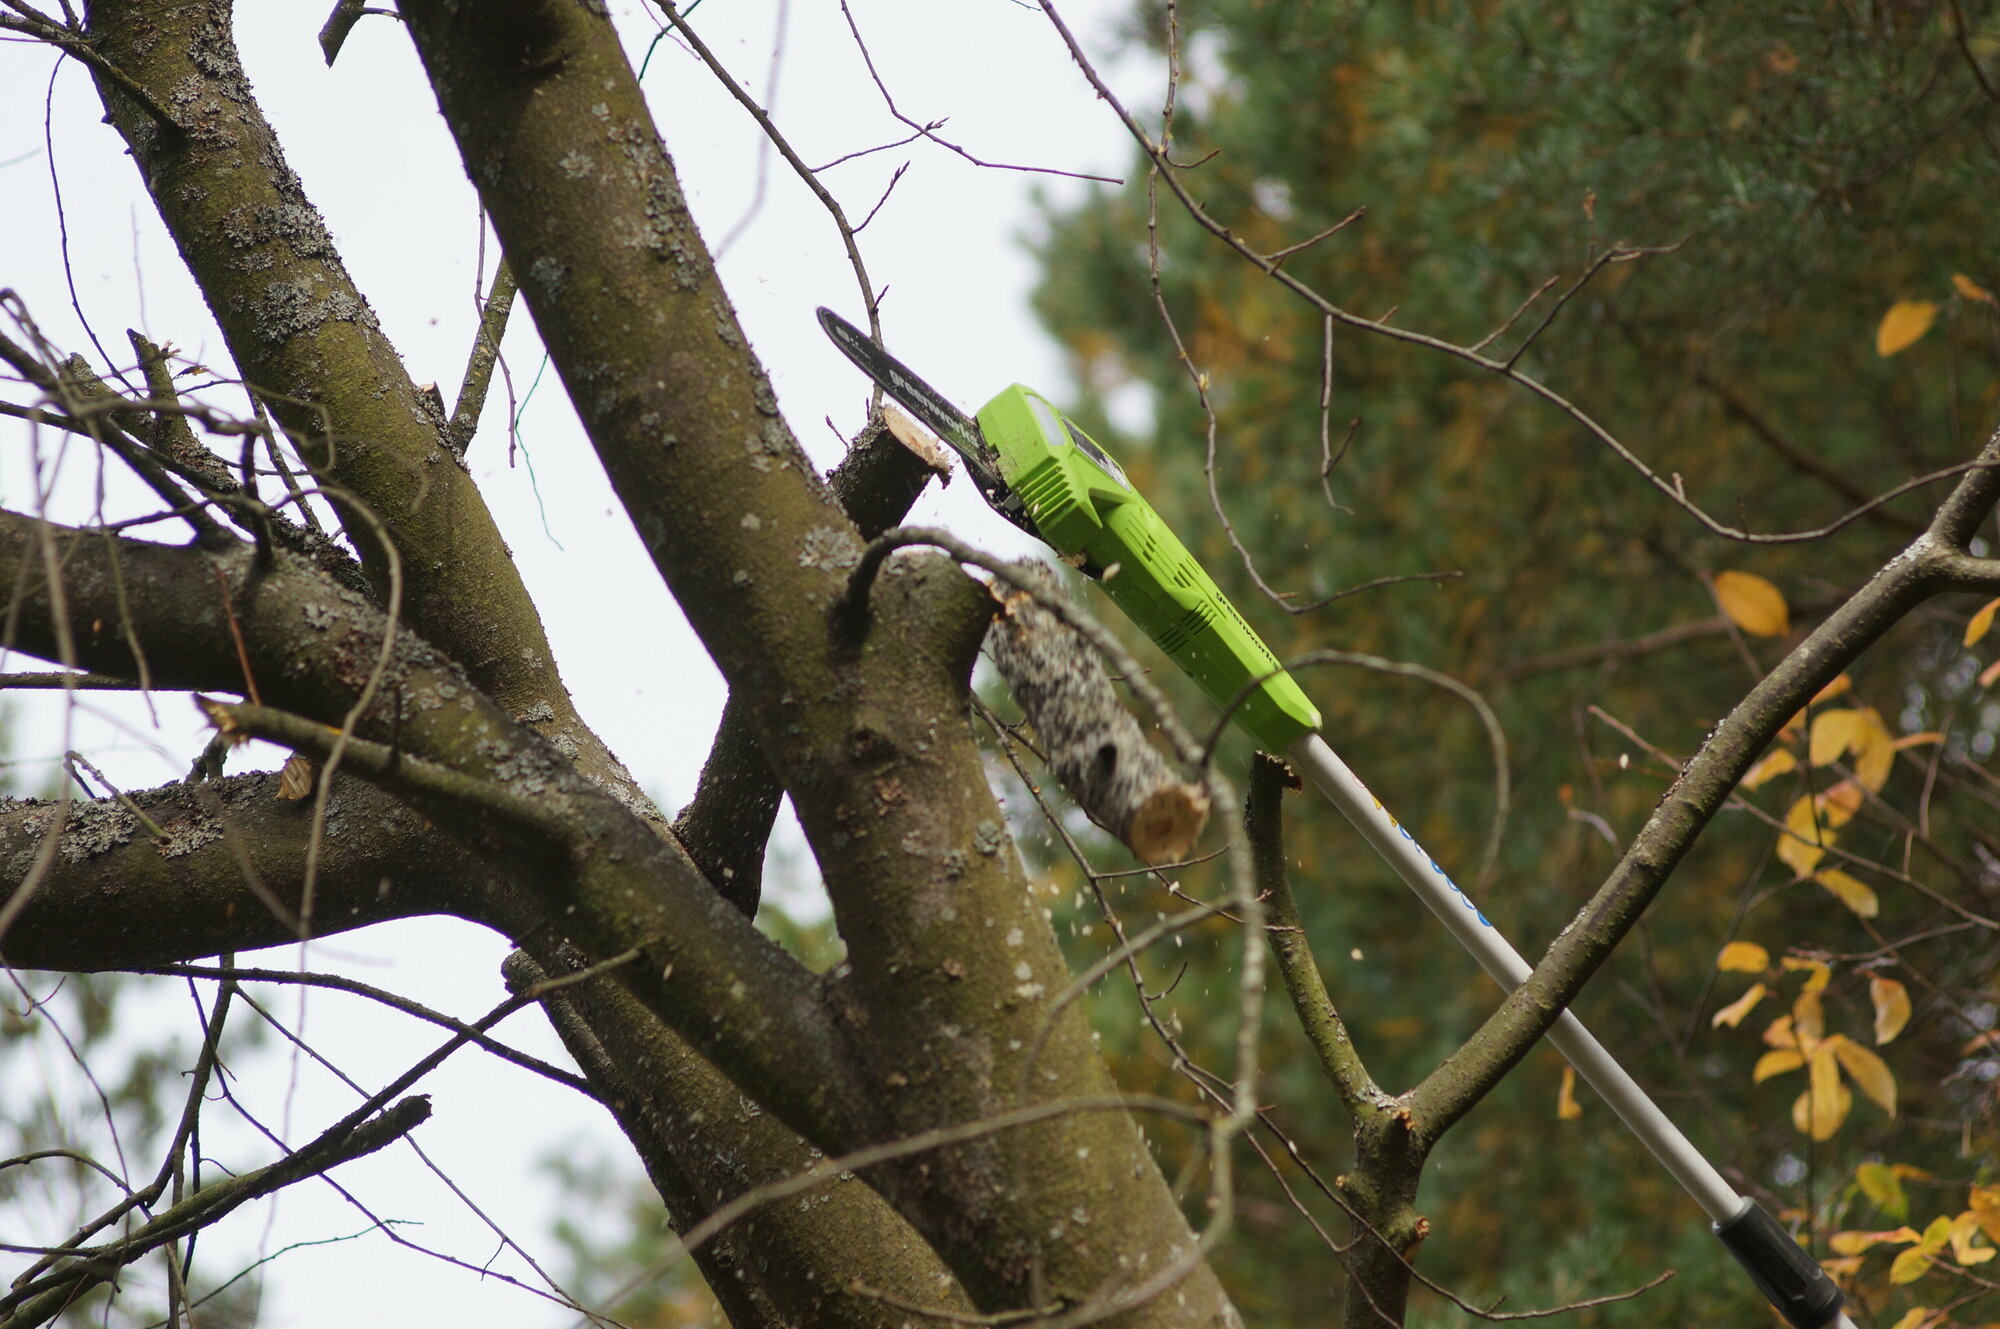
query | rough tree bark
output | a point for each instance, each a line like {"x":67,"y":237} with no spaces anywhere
{"x":467,"y":785}
{"x":455,"y":715}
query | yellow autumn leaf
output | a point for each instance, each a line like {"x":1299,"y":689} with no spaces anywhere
{"x":1985,"y":1202}
{"x":1879,"y":1182}
{"x":1832,"y":690}
{"x":1874,"y":752}
{"x":1903,"y":325}
{"x":1743,"y":957}
{"x":1988,"y":674}
{"x":1917,"y":1317}
{"x":1775,"y":764}
{"x":1567,"y":1108}
{"x":1818,"y":973}
{"x":1833,"y":733}
{"x":1869,"y":1072}
{"x":1857,"y":1243}
{"x":1732,"y":1014}
{"x":1892,"y":1007}
{"x":1819,"y":1111}
{"x":1778,"y":1033}
{"x":1808,"y":1021}
{"x":1837,"y":806}
{"x":1801,"y":849}
{"x":1853,"y":893}
{"x":1981,"y":624}
{"x":1908,"y":1267}
{"x":1964,"y":1229}
{"x":1913,"y":1263}
{"x":1752,"y":603}
{"x":1776,"y":1063}
{"x":1971,"y":289}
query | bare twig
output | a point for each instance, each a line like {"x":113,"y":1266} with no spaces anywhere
{"x":1515,"y":317}
{"x":929,"y":130}
{"x":1278,"y":256}
{"x":1615,"y":254}
{"x":75,"y":45}
{"x":416,"y":1009}
{"x":1505,"y":369}
{"x":869,"y":300}
{"x":1764,"y":431}
{"x":41,"y":1298}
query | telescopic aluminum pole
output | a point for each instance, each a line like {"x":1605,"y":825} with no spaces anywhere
{"x":1784,"y":1272}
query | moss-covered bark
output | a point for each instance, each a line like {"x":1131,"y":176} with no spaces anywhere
{"x":589,"y":860}
{"x":119,"y":897}
{"x":304,"y":337}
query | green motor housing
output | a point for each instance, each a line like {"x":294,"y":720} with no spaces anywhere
{"x":1085,"y":508}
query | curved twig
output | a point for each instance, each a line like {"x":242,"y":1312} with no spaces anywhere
{"x":777,"y":140}
{"x":1668,"y":487}
{"x":335,"y":982}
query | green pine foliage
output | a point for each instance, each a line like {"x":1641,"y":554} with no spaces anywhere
{"x":1806,"y":166}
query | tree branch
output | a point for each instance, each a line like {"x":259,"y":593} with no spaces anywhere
{"x":730,"y":1275}
{"x":1701,"y":788}
{"x":703,"y":1150}
{"x":684,"y":420}
{"x":1263,"y":823}
{"x":727,"y":824}
{"x":307,"y":343}
{"x":44,"y":1298}
{"x":591,"y":861}
{"x":187,"y":896}
{"x":485,"y":353}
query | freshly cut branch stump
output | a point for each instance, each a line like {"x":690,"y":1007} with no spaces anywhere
{"x":1092,"y":743}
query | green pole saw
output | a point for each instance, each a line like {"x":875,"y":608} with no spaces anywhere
{"x":1041,"y":472}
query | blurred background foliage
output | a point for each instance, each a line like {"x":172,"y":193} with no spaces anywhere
{"x":1812,"y":164}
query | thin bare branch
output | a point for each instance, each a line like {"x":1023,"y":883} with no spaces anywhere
{"x":38,"y":1300}
{"x":929,"y":130}
{"x":1504,"y":369}
{"x":75,"y":45}
{"x":869,"y":299}
{"x":338,"y":983}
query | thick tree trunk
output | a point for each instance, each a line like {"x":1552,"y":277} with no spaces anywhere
{"x":871,"y":740}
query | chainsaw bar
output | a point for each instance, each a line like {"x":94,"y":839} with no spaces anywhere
{"x":959,"y":431}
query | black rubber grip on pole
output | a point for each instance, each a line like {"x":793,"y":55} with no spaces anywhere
{"x":1787,"y":1275}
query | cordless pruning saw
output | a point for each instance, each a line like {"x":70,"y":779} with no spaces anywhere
{"x":1041,"y":472}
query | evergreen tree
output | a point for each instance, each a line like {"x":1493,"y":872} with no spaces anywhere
{"x":1810,"y":176}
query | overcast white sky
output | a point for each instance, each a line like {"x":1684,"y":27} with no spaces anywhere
{"x":366,"y":139}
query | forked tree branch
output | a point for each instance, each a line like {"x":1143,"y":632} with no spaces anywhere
{"x":885,"y":776}
{"x":1934,"y":563}
{"x":303,"y":337}
{"x":42,"y":1299}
